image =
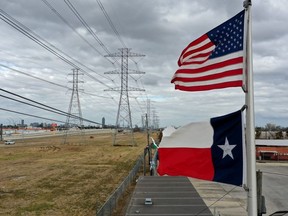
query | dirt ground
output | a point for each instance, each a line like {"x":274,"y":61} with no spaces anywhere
{"x":43,"y":176}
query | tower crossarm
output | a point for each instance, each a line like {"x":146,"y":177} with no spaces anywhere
{"x":135,"y":72}
{"x":129,"y":89}
{"x":126,"y":54}
{"x":113,"y":72}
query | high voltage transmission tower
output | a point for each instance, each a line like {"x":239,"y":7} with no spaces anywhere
{"x":155,"y":120}
{"x":152,"y":118}
{"x":124,"y":119}
{"x":150,"y":122}
{"x":74,"y":126}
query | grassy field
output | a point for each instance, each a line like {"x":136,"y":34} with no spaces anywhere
{"x":43,"y":176}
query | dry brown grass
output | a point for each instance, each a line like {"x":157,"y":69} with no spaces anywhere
{"x":45,"y":177}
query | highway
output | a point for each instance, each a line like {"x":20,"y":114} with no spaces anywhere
{"x":47,"y":133}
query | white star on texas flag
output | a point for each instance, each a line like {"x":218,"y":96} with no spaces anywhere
{"x":227,"y":149}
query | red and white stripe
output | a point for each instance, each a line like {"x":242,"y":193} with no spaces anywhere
{"x":197,"y":51}
{"x":198,"y":73}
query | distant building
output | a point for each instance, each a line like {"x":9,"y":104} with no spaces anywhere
{"x":271,"y":135}
{"x":35,"y":124}
{"x":103,"y":122}
{"x":268,"y":149}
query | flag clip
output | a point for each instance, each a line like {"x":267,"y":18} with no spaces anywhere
{"x":244,"y":107}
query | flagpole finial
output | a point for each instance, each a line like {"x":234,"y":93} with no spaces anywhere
{"x":247,"y":3}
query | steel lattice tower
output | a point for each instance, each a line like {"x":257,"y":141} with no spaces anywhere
{"x":124,"y":112}
{"x":74,"y":121}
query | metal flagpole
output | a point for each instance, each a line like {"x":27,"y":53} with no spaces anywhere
{"x":250,"y":126}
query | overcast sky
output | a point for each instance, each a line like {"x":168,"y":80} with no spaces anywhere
{"x":159,"y":29}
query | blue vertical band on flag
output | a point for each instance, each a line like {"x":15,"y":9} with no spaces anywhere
{"x":227,"y":148}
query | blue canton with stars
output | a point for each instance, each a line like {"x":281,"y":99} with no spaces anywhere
{"x":228,"y":37}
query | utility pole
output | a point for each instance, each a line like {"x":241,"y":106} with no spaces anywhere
{"x":124,"y":119}
{"x":73,"y":124}
{"x":149,"y":113}
{"x":1,"y":132}
{"x":261,"y":205}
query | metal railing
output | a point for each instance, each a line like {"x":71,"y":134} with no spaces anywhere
{"x":110,"y":205}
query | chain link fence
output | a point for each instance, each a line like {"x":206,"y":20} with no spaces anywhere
{"x":111,"y":204}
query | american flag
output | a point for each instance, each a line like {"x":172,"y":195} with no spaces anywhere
{"x":214,"y":60}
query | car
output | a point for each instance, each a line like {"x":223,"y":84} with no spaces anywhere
{"x":9,"y":142}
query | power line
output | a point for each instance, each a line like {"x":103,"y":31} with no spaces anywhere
{"x":88,"y":93}
{"x":73,"y":9}
{"x":68,"y":24}
{"x":36,"y":38}
{"x":29,"y":75}
{"x":111,"y":23}
{"x":24,"y":30}
{"x":27,"y":59}
{"x":88,"y":28}
{"x":50,"y":82}
{"x":50,"y":109}
{"x":136,"y":80}
{"x":26,"y":114}
{"x":23,"y":102}
{"x":48,"y":46}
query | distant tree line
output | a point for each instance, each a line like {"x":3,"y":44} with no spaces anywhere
{"x":271,"y":131}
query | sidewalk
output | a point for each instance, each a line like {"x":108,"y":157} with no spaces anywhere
{"x":222,"y":199}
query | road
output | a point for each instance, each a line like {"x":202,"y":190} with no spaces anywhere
{"x":275,"y":181}
{"x":229,"y":200}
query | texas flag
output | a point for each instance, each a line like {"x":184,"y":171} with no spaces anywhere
{"x":206,"y":150}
